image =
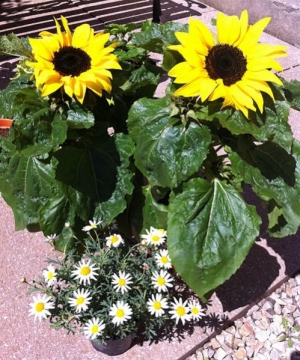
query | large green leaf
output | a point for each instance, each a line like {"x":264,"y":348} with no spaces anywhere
{"x":210,"y":231}
{"x":292,"y":92}
{"x":284,"y":210}
{"x":27,"y":185}
{"x":143,"y":111}
{"x":7,"y":96}
{"x":89,"y":167}
{"x":272,"y":125}
{"x":108,"y":210}
{"x":154,"y":213}
{"x":272,"y":160}
{"x":167,"y":151}
{"x":12,"y":45}
{"x":79,"y":117}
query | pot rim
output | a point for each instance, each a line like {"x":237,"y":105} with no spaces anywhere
{"x":5,"y":123}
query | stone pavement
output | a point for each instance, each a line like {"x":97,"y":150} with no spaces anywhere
{"x":265,"y":332}
{"x":23,"y":253}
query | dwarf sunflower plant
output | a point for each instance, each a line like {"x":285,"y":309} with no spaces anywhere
{"x":95,"y":139}
{"x":109,"y":292}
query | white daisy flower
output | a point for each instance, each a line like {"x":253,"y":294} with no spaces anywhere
{"x":120,"y":312}
{"x":114,"y":240}
{"x":161,"y":281}
{"x":81,"y":300}
{"x":41,"y":306}
{"x":85,"y":272}
{"x":122,"y":281}
{"x":157,"y":304}
{"x":50,"y":275}
{"x":196,"y":310}
{"x":180,"y":311}
{"x":93,"y":225}
{"x":93,"y":328}
{"x":162,"y":259}
{"x":51,"y":238}
{"x":154,"y":236}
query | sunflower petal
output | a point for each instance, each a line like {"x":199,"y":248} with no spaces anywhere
{"x":228,"y":28}
{"x":82,"y":35}
{"x":253,"y":34}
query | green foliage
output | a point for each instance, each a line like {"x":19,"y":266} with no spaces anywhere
{"x":211,"y":230}
{"x":11,"y":45}
{"x":292,"y":92}
{"x":290,"y":333}
{"x":136,"y":161}
{"x":155,"y":37}
{"x":202,"y":157}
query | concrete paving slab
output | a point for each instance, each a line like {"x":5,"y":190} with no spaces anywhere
{"x":285,"y":15}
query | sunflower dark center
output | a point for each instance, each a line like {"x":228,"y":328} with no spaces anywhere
{"x":71,"y":61}
{"x":226,"y":62}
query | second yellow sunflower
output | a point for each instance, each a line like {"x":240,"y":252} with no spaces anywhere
{"x":231,"y":65}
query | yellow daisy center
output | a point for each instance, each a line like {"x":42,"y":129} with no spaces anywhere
{"x":155,"y":238}
{"x":157,"y":305}
{"x":180,"y":310}
{"x":195,"y":311}
{"x":50,"y":275}
{"x":226,"y":62}
{"x":120,"y":313}
{"x":94,"y":329}
{"x":85,"y":270}
{"x":40,"y":306}
{"x":164,"y":259}
{"x":121,"y":282}
{"x":161,"y":281}
{"x":80,"y":300}
{"x":114,"y":239}
{"x":71,"y":61}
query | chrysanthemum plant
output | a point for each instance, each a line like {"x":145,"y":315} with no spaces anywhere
{"x":114,"y":288}
{"x":90,"y":141}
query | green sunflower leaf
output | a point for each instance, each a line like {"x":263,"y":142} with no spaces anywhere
{"x":210,"y":231}
{"x":89,"y":167}
{"x":154,"y":213}
{"x":167,"y":152}
{"x":26,"y":186}
{"x":284,"y":211}
{"x":79,"y":117}
{"x":12,"y":45}
{"x":108,"y":210}
{"x":291,"y":91}
{"x":272,"y":125}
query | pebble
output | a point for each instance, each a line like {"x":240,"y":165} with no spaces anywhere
{"x":240,"y":353}
{"x":220,"y":354}
{"x":277,"y":308}
{"x":260,"y":334}
{"x":215,"y":344}
{"x":257,"y":315}
{"x":246,"y":329}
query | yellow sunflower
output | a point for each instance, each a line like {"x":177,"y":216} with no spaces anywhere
{"x":231,"y":65}
{"x":73,"y":61}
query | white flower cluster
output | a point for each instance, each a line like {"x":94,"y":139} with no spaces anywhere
{"x":85,"y":272}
